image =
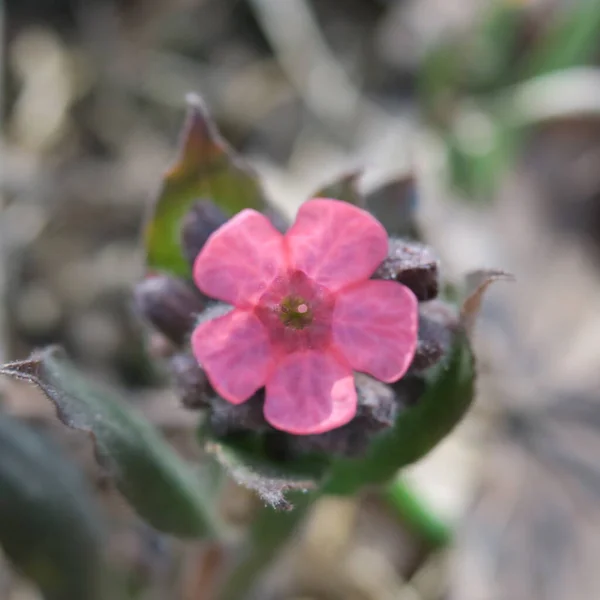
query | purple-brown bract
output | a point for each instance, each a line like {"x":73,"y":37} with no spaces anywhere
{"x":306,"y":315}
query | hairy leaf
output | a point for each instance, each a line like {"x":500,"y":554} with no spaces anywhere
{"x":49,"y":525}
{"x":271,"y":482}
{"x":161,"y":487}
{"x":260,"y":462}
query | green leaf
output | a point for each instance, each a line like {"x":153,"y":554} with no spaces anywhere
{"x":441,"y":76}
{"x":207,"y":168}
{"x":477,"y":169}
{"x":448,"y":397}
{"x":474,"y":62}
{"x":571,"y":41}
{"x":49,"y":524}
{"x":495,"y":47}
{"x":270,"y":532}
{"x":246,"y":461}
{"x":344,"y":188}
{"x":161,"y":487}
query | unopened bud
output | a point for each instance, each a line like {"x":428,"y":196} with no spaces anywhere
{"x":203,"y":219}
{"x":409,"y":390}
{"x":437,"y":326}
{"x":169,"y":304}
{"x":226,"y":418}
{"x":412,"y":264}
{"x":191,"y":382}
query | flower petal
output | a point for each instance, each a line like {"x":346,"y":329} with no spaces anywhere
{"x":375,"y":327}
{"x":335,"y":243}
{"x":235,"y":352}
{"x":240,"y":260}
{"x":310,"y":392}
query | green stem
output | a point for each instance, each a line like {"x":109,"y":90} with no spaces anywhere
{"x":415,"y":512}
{"x":270,"y":531}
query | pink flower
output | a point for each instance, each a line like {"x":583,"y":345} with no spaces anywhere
{"x":306,"y":314}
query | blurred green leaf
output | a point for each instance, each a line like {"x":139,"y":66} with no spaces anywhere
{"x":496,"y":46}
{"x":476,"y":166}
{"x":474,"y":62}
{"x":441,"y":74}
{"x":447,"y":398}
{"x":344,"y":188}
{"x":49,"y":525}
{"x":572,"y":40}
{"x":161,"y":487}
{"x":207,"y":168}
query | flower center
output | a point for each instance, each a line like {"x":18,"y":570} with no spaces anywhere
{"x":295,"y":312}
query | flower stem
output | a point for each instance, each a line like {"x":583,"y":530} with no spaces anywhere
{"x":415,"y":512}
{"x":270,"y":531}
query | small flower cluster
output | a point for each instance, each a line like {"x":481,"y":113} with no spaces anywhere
{"x":315,"y":337}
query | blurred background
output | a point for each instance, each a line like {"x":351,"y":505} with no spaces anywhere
{"x":494,"y":105}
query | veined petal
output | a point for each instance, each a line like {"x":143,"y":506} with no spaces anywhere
{"x":240,"y":260}
{"x":310,"y":392}
{"x":336,"y":243}
{"x":375,"y":327}
{"x":235,"y":352}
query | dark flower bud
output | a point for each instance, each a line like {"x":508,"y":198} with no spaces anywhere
{"x":412,"y":264}
{"x":203,"y":218}
{"x":409,"y":390}
{"x":376,"y":403}
{"x":168,"y":304}
{"x":437,"y":325}
{"x":190,"y":381}
{"x":226,"y":418}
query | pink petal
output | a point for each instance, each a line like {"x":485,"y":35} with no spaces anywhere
{"x":235,"y":352}
{"x":375,"y":327}
{"x":335,"y":243}
{"x":240,"y":260}
{"x":310,"y":392}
